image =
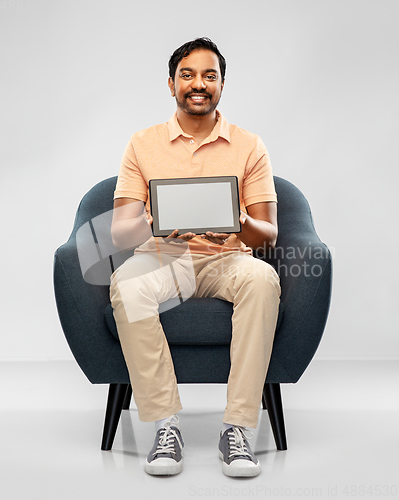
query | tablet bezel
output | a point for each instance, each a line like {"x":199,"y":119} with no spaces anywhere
{"x":235,"y":197}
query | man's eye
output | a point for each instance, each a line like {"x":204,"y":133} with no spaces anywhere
{"x":211,"y":77}
{"x":185,"y":75}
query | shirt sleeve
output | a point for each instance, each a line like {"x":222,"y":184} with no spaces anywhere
{"x":131,"y":183}
{"x":258,"y":183}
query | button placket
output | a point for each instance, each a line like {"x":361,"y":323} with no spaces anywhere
{"x":192,"y":142}
{"x":194,"y":157}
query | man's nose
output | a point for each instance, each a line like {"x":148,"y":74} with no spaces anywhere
{"x":198,"y":83}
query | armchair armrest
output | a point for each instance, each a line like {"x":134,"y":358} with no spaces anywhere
{"x":304,"y":265}
{"x":81,"y":310}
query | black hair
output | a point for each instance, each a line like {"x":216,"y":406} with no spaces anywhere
{"x":188,"y":47}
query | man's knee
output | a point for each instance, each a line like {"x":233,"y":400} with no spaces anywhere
{"x":136,"y":266}
{"x":259,"y":275}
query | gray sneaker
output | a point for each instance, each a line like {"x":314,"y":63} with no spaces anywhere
{"x":166,"y":456}
{"x":238,"y":458}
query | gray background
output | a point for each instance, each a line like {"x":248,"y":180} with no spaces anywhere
{"x":316,"y":79}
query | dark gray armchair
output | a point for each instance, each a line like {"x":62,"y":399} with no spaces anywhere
{"x":200,"y":356}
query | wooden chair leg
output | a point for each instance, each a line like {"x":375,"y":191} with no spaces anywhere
{"x":116,"y":397}
{"x":272,"y":395}
{"x":128,"y":398}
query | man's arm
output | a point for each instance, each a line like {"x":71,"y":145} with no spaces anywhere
{"x":131,"y":225}
{"x":259,"y":228}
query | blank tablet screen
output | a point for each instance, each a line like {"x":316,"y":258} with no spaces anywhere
{"x":195,"y":205}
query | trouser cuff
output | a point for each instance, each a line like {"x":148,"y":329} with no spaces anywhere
{"x":152,"y":416}
{"x":247,"y":418}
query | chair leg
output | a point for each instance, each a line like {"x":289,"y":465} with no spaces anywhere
{"x":264,"y":405}
{"x":272,"y":395}
{"x":128,"y":398}
{"x":116,"y":396}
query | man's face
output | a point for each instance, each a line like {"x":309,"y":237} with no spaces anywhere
{"x":198,"y":84}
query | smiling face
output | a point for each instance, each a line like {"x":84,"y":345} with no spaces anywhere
{"x":197,"y":86}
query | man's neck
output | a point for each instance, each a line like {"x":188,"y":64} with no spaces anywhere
{"x":197,"y":126}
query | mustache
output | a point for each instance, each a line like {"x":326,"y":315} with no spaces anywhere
{"x":198,"y":92}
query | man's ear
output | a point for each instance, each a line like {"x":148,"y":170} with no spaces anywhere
{"x":222,"y":86}
{"x":171,"y":86}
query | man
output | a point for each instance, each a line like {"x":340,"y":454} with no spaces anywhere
{"x":197,"y":141}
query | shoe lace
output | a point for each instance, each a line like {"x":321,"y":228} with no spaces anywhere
{"x":237,"y":444}
{"x":166,"y":443}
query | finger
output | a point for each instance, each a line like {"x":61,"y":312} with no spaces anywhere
{"x":187,"y":236}
{"x":217,"y":241}
{"x":222,"y":236}
{"x":173,"y":234}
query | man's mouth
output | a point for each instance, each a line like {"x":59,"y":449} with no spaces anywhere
{"x":198,"y":97}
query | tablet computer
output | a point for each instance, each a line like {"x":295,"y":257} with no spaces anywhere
{"x":195,"y":205}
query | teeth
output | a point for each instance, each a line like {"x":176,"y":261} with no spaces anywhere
{"x":197,"y":97}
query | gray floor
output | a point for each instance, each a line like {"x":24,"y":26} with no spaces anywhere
{"x":341,"y":421}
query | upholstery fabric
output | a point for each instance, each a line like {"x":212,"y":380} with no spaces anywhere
{"x":204,"y":334}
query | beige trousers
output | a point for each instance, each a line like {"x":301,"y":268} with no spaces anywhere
{"x":144,"y":282}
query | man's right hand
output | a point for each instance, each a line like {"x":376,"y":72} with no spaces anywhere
{"x":185,"y":237}
{"x":175,"y":234}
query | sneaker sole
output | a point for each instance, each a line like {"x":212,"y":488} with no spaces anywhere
{"x":237,"y":471}
{"x":163,"y":467}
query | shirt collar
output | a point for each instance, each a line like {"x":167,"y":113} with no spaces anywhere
{"x":221,"y":129}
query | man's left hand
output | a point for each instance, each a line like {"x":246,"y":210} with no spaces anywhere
{"x":218,"y":238}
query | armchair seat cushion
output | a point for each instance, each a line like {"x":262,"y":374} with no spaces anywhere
{"x":202,"y":313}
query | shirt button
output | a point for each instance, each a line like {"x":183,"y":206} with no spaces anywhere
{"x":192,"y":141}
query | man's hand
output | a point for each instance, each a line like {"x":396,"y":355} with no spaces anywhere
{"x":184,"y":237}
{"x":175,"y":234}
{"x":221,"y":238}
{"x":218,"y":238}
